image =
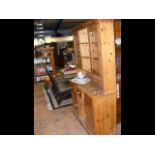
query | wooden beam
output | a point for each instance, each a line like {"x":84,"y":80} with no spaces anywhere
{"x":58,"y":25}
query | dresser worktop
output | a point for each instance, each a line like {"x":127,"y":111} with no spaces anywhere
{"x":91,"y":89}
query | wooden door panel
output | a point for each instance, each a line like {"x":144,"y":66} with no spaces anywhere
{"x":90,"y":124}
{"x":80,"y":102}
{"x":74,"y":97}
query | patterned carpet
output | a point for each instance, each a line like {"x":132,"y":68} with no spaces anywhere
{"x":51,"y":98}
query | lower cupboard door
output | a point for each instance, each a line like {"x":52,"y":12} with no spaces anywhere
{"x":75,"y":106}
{"x":90,"y":124}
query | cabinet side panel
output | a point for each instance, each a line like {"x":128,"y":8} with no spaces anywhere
{"x":108,"y":117}
{"x":108,"y":56}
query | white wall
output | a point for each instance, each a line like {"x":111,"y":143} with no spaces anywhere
{"x":54,"y":39}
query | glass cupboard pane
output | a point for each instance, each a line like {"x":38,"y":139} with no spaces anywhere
{"x":94,"y":50}
{"x":84,"y":50}
{"x":86,"y":64}
{"x":83,"y":36}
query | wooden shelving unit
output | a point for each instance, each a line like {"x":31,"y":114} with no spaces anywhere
{"x":49,"y":51}
{"x":49,"y":54}
{"x":95,"y":103}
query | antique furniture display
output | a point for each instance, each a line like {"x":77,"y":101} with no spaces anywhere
{"x":94,"y":103}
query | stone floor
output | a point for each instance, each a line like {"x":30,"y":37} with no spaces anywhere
{"x":55,"y":122}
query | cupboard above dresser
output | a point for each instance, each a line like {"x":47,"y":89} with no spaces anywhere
{"x":95,"y":52}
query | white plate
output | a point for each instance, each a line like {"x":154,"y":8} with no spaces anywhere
{"x":80,"y":81}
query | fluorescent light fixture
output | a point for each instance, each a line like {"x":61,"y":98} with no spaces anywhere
{"x":40,"y":36}
{"x":39,"y":24}
{"x":39,"y":32}
{"x":40,"y":28}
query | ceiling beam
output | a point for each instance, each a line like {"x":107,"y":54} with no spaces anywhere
{"x":63,"y":32}
{"x":58,"y":25}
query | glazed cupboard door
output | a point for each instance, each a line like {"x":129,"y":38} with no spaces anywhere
{"x":84,"y":49}
{"x":74,"y":96}
{"x":79,"y":64}
{"x":76,"y":44}
{"x":94,"y":50}
{"x":94,"y":46}
{"x":86,"y":65}
{"x":83,"y":35}
{"x":96,"y":66}
{"x":77,"y":50}
{"x":89,"y":110}
{"x":85,"y":57}
{"x":80,"y":102}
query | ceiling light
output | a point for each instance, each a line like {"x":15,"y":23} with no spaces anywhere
{"x":39,"y":32}
{"x":39,"y":24}
{"x":40,"y":28}
{"x":40,"y":36}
